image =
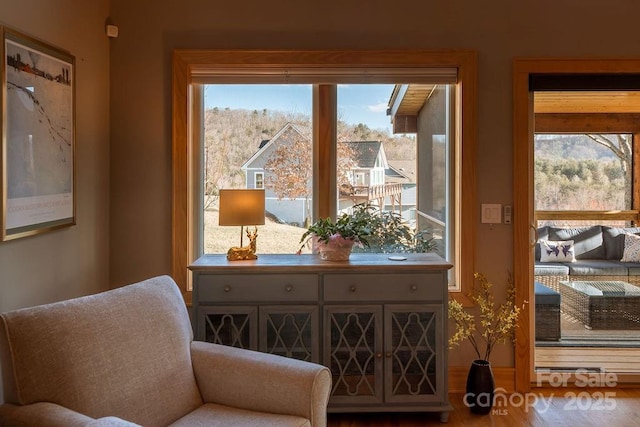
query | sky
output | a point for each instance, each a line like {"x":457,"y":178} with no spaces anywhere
{"x":365,"y":103}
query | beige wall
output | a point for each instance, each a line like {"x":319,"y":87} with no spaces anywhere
{"x":499,"y":31}
{"x":134,"y":128}
{"x":73,"y":261}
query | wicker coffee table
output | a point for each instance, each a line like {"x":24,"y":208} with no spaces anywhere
{"x":602,"y":305}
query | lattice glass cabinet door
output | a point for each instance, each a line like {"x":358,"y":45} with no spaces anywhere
{"x":413,"y":367}
{"x":353,"y":352}
{"x":290,"y":331}
{"x":233,"y":326}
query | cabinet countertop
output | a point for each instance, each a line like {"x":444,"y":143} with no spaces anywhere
{"x":282,"y":263}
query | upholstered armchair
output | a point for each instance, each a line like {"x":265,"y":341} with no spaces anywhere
{"x":127,"y":357}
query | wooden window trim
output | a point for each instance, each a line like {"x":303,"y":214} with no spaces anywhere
{"x":190,"y":64}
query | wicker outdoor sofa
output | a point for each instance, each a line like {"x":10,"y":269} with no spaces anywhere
{"x":597,"y":251}
{"x":547,"y":303}
{"x":590,"y":273}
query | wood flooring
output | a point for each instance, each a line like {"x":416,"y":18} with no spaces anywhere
{"x":607,"y":359}
{"x":548,"y":407}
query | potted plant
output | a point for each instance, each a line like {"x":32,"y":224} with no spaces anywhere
{"x":335,"y":240}
{"x":366,"y":229}
{"x":492,"y":325}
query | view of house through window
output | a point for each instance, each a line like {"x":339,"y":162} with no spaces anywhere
{"x":392,"y":149}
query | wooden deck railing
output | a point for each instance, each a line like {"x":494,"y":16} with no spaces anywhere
{"x":616,"y":215}
{"x":372,"y":192}
{"x":375,"y":193}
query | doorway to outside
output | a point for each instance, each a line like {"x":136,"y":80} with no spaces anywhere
{"x":562,"y":110}
{"x":580,"y":181}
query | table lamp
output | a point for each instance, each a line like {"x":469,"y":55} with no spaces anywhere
{"x":242,"y":207}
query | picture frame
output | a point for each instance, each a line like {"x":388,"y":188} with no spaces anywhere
{"x":38,"y":136}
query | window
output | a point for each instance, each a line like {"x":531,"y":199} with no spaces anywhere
{"x":261,"y":136}
{"x":259,"y":180}
{"x":582,"y":173}
{"x":329,"y":74}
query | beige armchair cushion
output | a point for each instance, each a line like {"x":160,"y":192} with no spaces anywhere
{"x":127,"y":356}
{"x":213,"y":415}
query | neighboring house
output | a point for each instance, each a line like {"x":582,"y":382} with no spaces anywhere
{"x":403,"y":172}
{"x":374,"y":180}
{"x":425,"y":110}
{"x":292,"y":211}
{"x":368,"y":178}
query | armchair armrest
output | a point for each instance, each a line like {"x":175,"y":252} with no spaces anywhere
{"x":261,"y":382}
{"x":41,"y":414}
{"x":52,"y":415}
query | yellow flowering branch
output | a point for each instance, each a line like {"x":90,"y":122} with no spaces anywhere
{"x":492,"y":326}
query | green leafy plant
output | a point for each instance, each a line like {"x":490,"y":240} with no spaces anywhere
{"x":493,"y":325}
{"x":348,"y":226}
{"x":372,"y":230}
{"x":390,"y":233}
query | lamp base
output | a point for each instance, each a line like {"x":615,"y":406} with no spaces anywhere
{"x":245,"y":252}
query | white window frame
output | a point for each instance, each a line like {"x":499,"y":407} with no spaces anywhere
{"x":255,"y":180}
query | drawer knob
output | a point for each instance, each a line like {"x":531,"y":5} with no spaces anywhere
{"x":289,"y":288}
{"x":414,"y":288}
{"x":388,"y":354}
{"x":379,"y":355}
{"x":353,"y":288}
{"x":227,"y":288}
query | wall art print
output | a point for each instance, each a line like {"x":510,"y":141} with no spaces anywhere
{"x":38,"y":136}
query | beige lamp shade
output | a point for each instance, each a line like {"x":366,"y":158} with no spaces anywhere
{"x":241,"y":207}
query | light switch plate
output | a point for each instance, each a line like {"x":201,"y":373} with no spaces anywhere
{"x":507,"y":214}
{"x":491,"y":213}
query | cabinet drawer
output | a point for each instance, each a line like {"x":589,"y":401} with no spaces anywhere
{"x":383,"y":287}
{"x":257,"y":287}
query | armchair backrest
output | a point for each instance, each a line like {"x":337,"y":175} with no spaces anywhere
{"x":124,"y":352}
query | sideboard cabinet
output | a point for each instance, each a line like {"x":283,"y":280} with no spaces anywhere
{"x":380,"y":325}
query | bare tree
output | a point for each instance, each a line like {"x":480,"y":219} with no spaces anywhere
{"x":289,"y":170}
{"x":345,"y":163}
{"x":621,"y":146}
{"x":214,"y":171}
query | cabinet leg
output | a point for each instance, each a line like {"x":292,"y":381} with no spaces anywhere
{"x":444,"y":416}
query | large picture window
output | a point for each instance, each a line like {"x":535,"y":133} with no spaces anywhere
{"x":261,"y":136}
{"x":321,"y":137}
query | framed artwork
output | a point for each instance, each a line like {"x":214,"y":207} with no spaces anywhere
{"x":38,"y":136}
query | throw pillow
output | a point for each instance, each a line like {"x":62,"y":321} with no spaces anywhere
{"x":557,"y":251}
{"x":631,"y":248}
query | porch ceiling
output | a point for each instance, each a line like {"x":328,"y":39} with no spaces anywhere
{"x":414,"y":98}
{"x":587,"y":102}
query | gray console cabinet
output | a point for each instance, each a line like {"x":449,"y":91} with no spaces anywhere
{"x":379,"y":325}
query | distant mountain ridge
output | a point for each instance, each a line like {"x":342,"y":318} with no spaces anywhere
{"x":579,"y":147}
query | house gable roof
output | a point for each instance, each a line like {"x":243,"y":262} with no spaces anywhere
{"x":266,"y":143}
{"x":366,"y":153}
{"x":400,"y":171}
